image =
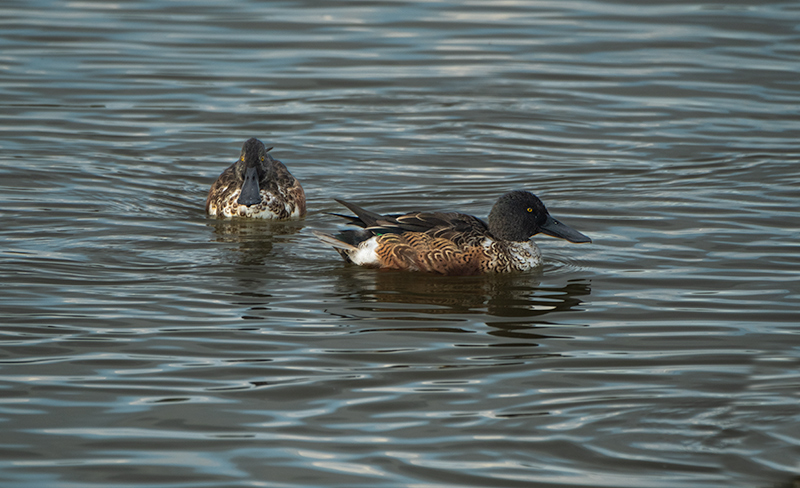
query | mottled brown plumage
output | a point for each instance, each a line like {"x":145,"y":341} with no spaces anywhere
{"x":451,"y":243}
{"x":420,"y":251}
{"x":256,"y":186}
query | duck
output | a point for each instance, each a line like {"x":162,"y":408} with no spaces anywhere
{"x":451,"y":243}
{"x":256,"y":186}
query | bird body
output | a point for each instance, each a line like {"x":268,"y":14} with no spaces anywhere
{"x":256,"y":186}
{"x":451,"y":243}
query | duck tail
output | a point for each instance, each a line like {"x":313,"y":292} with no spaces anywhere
{"x":367,"y":217}
{"x":333,"y":241}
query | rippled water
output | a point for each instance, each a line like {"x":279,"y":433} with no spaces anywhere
{"x":144,"y":344}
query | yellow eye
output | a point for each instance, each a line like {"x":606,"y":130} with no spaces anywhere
{"x":262,"y":158}
{"x":530,"y":210}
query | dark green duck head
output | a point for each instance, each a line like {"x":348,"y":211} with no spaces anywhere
{"x":253,"y":168}
{"x":518,"y":215}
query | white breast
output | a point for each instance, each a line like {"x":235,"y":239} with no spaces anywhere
{"x":525,"y":255}
{"x":365,"y":254}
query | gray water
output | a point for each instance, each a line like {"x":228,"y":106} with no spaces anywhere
{"x":145,"y":344}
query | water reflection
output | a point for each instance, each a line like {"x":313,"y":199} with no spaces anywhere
{"x":519,"y":297}
{"x":254,"y":239}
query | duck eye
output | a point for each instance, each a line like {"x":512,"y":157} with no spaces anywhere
{"x":530,"y":210}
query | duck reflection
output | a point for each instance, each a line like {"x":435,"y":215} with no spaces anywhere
{"x":253,"y":238}
{"x":512,"y":304}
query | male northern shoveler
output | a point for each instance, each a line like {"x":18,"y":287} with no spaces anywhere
{"x":256,"y":186}
{"x":452,"y":243}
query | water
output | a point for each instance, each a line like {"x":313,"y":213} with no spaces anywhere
{"x":144,"y":344}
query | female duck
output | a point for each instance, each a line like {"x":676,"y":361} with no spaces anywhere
{"x":452,"y":243}
{"x":256,"y":186}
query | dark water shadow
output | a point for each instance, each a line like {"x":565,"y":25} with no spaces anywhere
{"x":252,"y":239}
{"x":511,"y":304}
{"x":793,"y":483}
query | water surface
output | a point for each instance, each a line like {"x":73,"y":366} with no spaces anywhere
{"x":145,"y":344}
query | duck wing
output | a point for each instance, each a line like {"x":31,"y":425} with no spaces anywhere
{"x":461,"y":229}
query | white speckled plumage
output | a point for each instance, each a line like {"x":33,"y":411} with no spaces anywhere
{"x":274,"y":192}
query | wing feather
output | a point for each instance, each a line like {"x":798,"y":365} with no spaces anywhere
{"x":440,"y":242}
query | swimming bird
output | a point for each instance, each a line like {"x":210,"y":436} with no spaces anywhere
{"x":451,"y":243}
{"x":256,"y":186}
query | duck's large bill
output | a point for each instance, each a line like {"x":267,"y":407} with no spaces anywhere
{"x":553,"y":227}
{"x":251,"y":194}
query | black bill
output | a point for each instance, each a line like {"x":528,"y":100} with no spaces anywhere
{"x":553,"y":227}
{"x":251,"y":194}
